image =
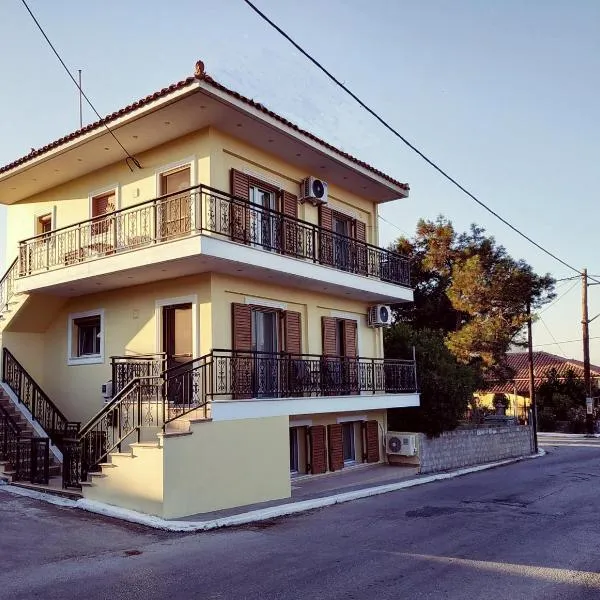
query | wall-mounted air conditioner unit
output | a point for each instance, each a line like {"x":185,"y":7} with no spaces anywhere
{"x":401,"y":444}
{"x":380,"y":315}
{"x":313,"y":190}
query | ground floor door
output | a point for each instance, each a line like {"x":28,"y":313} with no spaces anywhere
{"x":177,"y":344}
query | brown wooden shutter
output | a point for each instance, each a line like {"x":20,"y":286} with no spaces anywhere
{"x":336,"y":447}
{"x":350,"y":337}
{"x":360,"y":231}
{"x":292,"y":322}
{"x":325,"y":238}
{"x":240,"y":184}
{"x":326,"y":217}
{"x":371,"y":440}
{"x":242,"y":360}
{"x":240,"y":213}
{"x":350,"y":363}
{"x":318,"y":449}
{"x":330,"y":332}
{"x":290,"y":231}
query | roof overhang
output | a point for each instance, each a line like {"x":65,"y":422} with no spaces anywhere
{"x":189,"y":106}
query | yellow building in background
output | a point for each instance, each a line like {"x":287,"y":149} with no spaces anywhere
{"x":191,"y":323}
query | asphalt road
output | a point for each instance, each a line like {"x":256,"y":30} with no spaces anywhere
{"x":529,"y":530}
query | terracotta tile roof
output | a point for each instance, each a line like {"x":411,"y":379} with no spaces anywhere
{"x":200,"y":75}
{"x":543,"y":363}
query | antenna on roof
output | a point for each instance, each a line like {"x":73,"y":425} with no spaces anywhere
{"x":80,"y":100}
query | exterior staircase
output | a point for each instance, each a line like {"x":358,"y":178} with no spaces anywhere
{"x":9,"y":469}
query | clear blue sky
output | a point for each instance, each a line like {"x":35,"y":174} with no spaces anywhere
{"x":504,"y":95}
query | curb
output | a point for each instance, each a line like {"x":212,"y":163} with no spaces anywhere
{"x":255,"y":515}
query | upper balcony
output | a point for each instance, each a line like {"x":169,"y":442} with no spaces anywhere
{"x":203,"y":229}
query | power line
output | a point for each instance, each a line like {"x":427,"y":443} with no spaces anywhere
{"x":404,"y":140}
{"x":62,"y":62}
{"x":597,"y":337}
{"x":572,"y":287}
{"x":552,"y":335}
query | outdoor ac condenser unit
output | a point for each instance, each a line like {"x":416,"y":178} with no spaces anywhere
{"x":401,"y":444}
{"x":379,"y":315}
{"x":313,"y":190}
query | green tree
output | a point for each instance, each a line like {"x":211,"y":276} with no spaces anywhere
{"x":561,"y":399}
{"x":446,"y":385}
{"x":468,"y":287}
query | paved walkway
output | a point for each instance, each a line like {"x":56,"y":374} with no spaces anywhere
{"x":319,"y":486}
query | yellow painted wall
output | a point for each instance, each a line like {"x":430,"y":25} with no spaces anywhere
{"x":212,"y":153}
{"x":135,"y":482}
{"x":226,"y":464}
{"x":312,"y":306}
{"x":519,"y":405}
{"x":130,"y":328}
{"x":228,"y":152}
{"x":71,"y":199}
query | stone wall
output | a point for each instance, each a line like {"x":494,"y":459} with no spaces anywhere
{"x":462,"y":448}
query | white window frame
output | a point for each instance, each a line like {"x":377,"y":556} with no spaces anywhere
{"x":85,"y":360}
{"x":42,"y":212}
{"x":114,"y":187}
{"x":158,"y":306}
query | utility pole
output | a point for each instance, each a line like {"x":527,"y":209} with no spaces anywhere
{"x":585,"y":323}
{"x":533,"y":407}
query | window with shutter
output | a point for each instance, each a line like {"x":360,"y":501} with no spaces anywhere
{"x":292,"y":242}
{"x":318,"y":449}
{"x":360,"y":231}
{"x":175,"y":211}
{"x":242,"y":359}
{"x":335,"y":446}
{"x":326,"y":235}
{"x":371,"y":441}
{"x":239,"y":218}
{"x":102,"y":206}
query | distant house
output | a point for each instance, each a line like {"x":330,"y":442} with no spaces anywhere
{"x":516,"y":389}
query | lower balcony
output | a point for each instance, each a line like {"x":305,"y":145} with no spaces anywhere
{"x":200,"y":230}
{"x":240,"y":385}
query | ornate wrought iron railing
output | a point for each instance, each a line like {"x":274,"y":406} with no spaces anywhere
{"x":205,"y":209}
{"x":126,"y":368}
{"x":7,"y":285}
{"x":37,"y":402}
{"x":136,"y":406}
{"x":281,"y":375}
{"x":28,"y":458}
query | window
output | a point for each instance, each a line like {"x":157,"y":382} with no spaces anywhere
{"x":342,"y":245}
{"x":86,"y":338}
{"x":101,"y":206}
{"x":265,"y":342}
{"x":349,"y":442}
{"x":43,"y":224}
{"x":263,"y":224}
{"x":175,"y":212}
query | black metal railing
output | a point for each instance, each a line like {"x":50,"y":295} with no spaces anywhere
{"x":154,"y":401}
{"x":126,"y":368}
{"x":26,"y":457}
{"x":7,"y":285}
{"x":136,"y":406}
{"x":281,"y":375}
{"x":205,"y":209}
{"x":35,"y":400}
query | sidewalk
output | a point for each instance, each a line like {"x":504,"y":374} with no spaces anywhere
{"x":307,"y":494}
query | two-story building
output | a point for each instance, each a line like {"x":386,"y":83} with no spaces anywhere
{"x":197,"y":319}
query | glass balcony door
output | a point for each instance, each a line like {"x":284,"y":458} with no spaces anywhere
{"x":263,"y":224}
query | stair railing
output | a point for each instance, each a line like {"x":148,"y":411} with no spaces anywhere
{"x":7,"y":285}
{"x":28,"y":457}
{"x":35,"y":400}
